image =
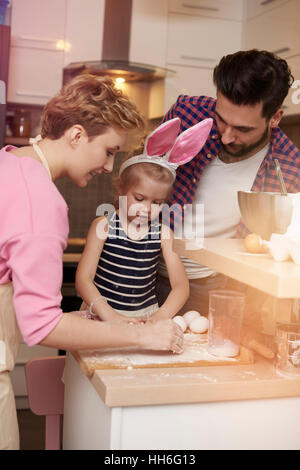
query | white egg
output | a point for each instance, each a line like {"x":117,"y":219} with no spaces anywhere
{"x":181,"y":322}
{"x":199,"y":325}
{"x":189,"y":316}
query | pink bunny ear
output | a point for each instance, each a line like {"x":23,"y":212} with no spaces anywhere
{"x":190,"y":142}
{"x":163,"y":138}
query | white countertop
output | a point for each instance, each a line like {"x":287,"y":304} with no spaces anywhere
{"x":228,"y":256}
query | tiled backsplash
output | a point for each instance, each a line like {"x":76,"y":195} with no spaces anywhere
{"x":83,"y":202}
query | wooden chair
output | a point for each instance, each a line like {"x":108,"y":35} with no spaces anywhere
{"x":46,"y":394}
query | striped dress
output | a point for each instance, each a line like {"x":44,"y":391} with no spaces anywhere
{"x":126,"y":272}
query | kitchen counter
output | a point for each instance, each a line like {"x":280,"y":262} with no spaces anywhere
{"x":221,"y":407}
{"x":71,"y":258}
{"x":228,"y":256}
{"x":158,"y":386}
{"x":214,"y":407}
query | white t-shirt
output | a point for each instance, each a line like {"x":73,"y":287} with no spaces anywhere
{"x":217,"y":192}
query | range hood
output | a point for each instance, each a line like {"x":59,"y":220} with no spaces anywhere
{"x":130,"y":71}
{"x":114,"y":59}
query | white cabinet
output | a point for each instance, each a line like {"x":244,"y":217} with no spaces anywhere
{"x":276,"y":30}
{"x":148,"y":34}
{"x":200,"y":33}
{"x":35,"y":75}
{"x":38,"y":19}
{"x":228,"y":9}
{"x":50,"y":34}
{"x":191,"y":81}
{"x":83,"y":30}
{"x":36,"y":55}
{"x":46,"y":36}
{"x":201,"y":41}
{"x":259,"y":7}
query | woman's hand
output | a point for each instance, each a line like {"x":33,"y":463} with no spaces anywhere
{"x":163,"y":335}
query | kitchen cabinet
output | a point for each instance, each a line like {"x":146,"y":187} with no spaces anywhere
{"x":36,"y":53}
{"x":148,"y":33}
{"x":292,"y":102}
{"x":37,"y":21}
{"x":259,"y":7}
{"x":196,"y":43}
{"x":201,"y":41}
{"x":277,"y":30}
{"x":204,"y":408}
{"x":191,"y":81}
{"x":46,"y":36}
{"x":83,"y":30}
{"x":227,"y":9}
{"x":35,"y":75}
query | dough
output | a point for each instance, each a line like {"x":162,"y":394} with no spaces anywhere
{"x":189,"y":316}
{"x":199,"y":325}
{"x":181,"y":322}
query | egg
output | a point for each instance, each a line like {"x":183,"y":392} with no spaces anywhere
{"x":180,"y":322}
{"x":255,"y":244}
{"x":199,"y":325}
{"x":189,"y":316}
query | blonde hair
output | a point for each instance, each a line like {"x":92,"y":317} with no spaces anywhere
{"x":93,"y":102}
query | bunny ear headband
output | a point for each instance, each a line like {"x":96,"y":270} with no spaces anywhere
{"x":176,"y":150}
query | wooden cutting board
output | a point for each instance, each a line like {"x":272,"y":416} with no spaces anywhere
{"x":195,"y":354}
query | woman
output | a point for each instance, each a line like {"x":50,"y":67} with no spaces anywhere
{"x":83,"y":127}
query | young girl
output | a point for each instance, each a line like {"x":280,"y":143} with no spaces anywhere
{"x":117,"y":272}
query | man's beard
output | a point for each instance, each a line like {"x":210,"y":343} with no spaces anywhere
{"x":246,"y":149}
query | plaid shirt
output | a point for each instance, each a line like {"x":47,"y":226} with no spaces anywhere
{"x":193,"y":109}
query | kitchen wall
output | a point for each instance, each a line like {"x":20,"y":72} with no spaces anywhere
{"x":291,"y":127}
{"x":274,"y":26}
{"x":83,"y":202}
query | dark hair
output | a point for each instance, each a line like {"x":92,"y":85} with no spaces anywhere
{"x":249,"y":77}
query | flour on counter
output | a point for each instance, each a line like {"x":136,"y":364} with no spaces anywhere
{"x":195,"y":349}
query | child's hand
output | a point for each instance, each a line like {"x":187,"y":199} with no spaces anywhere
{"x":117,"y":318}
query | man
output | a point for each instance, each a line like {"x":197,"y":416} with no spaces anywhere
{"x":239,"y":154}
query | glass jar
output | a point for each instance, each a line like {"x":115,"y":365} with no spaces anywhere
{"x":21,"y":123}
{"x":287,"y":362}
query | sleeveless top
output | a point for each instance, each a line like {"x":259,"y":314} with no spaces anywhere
{"x":127,"y":269}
